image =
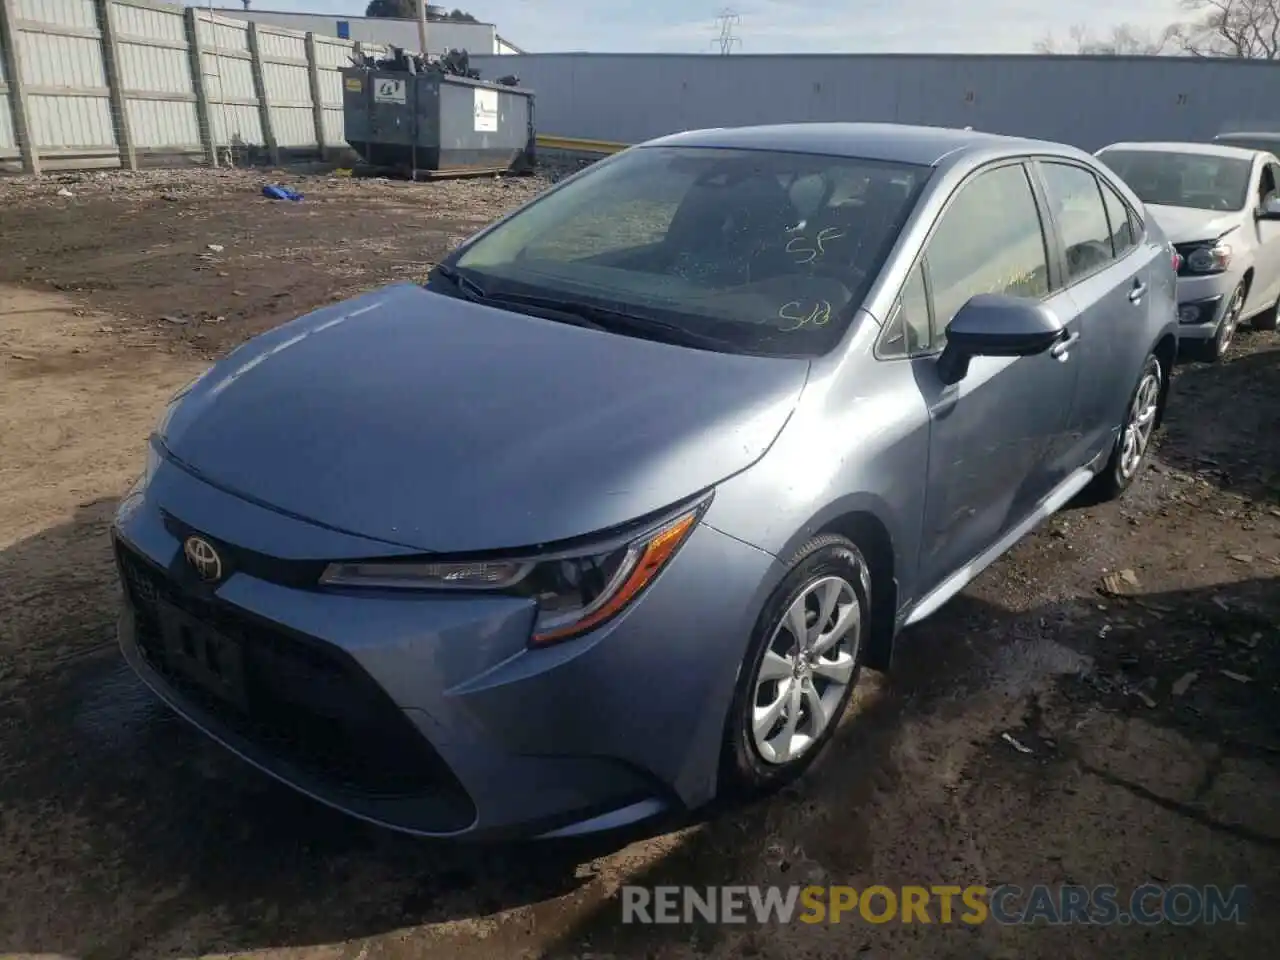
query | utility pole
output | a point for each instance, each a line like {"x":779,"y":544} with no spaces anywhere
{"x":422,"y":26}
{"x":727,"y":19}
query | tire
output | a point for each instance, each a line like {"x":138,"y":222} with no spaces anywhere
{"x":1211,"y":351}
{"x":1266,"y":320}
{"x":827,"y":565}
{"x":1121,"y":470}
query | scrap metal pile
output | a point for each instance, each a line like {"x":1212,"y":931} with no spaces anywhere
{"x":455,"y":63}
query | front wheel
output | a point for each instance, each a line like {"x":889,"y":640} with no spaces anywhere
{"x":1134,"y":441}
{"x":1214,"y":350}
{"x":1266,"y":320}
{"x":800,"y":668}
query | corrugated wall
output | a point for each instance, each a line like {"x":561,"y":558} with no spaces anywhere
{"x":331,"y":56}
{"x":1086,"y":101}
{"x":286,"y":83}
{"x":71,"y":118}
{"x":8,"y":142}
{"x":478,"y":38}
{"x":106,"y":82}
{"x":155,"y":72}
{"x":228,"y":79}
{"x":68,"y":100}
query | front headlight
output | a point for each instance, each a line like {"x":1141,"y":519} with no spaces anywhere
{"x":1210,"y":258}
{"x":149,"y":467}
{"x":576,"y":590}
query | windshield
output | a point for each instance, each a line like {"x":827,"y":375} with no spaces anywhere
{"x":1196,"y":180}
{"x":766,"y":252}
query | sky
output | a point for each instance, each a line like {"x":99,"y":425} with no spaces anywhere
{"x":786,"y":26}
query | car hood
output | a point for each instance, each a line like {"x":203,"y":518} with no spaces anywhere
{"x":1186,"y":225}
{"x":444,"y":426}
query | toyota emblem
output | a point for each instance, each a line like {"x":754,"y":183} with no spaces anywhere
{"x":203,"y":558}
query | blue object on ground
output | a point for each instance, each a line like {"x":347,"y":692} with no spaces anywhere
{"x":273,"y":191}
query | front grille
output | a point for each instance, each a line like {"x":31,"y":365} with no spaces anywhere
{"x":304,"y":701}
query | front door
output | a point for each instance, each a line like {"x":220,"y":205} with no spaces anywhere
{"x":992,"y":435}
{"x":1265,"y":235}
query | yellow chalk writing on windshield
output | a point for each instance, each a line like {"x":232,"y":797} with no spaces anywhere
{"x":815,"y":313}
{"x":807,"y":250}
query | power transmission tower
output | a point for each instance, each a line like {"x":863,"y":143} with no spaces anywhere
{"x":727,"y":19}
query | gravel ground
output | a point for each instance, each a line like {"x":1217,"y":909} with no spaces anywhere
{"x":1037,"y":729}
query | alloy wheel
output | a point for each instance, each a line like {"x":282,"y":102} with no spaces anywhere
{"x":1230,"y":320}
{"x":1141,"y":422}
{"x":806,"y":669}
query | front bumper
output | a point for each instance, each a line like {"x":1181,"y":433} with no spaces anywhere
{"x":429,"y":714}
{"x":1201,"y":304}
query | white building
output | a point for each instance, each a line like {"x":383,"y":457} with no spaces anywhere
{"x":442,"y":35}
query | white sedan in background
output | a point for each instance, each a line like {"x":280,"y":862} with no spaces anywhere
{"x":1220,"y":208}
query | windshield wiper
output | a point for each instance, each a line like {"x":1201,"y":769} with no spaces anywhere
{"x":589,"y":316}
{"x":469,"y":289}
{"x":661,"y":330}
{"x":618,"y":321}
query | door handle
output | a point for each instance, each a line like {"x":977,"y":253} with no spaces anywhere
{"x":1062,"y":349}
{"x":1138,"y":291}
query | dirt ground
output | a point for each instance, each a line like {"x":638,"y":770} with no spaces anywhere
{"x":1035,"y":730}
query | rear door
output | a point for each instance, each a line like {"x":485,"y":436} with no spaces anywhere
{"x":1108,"y":278}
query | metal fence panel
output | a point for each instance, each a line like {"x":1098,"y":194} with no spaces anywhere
{"x":8,"y":140}
{"x":287,"y":83}
{"x":154,"y":65}
{"x":106,"y":81}
{"x":229,"y":79}
{"x":234,"y":112}
{"x":237,"y":124}
{"x":77,"y":14}
{"x":68,"y":100}
{"x":151,"y":69}
{"x":281,"y":45}
{"x":156,"y":22}
{"x":334,"y":126}
{"x":633,"y":97}
{"x":293,"y":127}
{"x":164,"y":125}
{"x":222,"y":33}
{"x":53,"y":60}
{"x":332,"y":56}
{"x":71,"y":124}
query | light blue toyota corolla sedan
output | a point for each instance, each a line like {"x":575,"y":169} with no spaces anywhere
{"x":605,"y":519}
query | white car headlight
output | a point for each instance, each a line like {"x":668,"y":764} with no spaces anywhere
{"x":576,"y":590}
{"x":1209,"y":258}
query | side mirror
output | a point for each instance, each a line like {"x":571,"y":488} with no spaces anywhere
{"x":1269,"y":208}
{"x":996,"y":325}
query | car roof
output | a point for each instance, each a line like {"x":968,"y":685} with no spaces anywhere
{"x":904,"y":143}
{"x":1266,"y":135}
{"x":1196,"y":149}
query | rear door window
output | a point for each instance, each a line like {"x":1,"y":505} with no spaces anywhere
{"x":1120,"y":222}
{"x":1076,"y":201}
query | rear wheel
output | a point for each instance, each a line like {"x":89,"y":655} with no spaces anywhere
{"x":1134,"y":441}
{"x":800,"y":668}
